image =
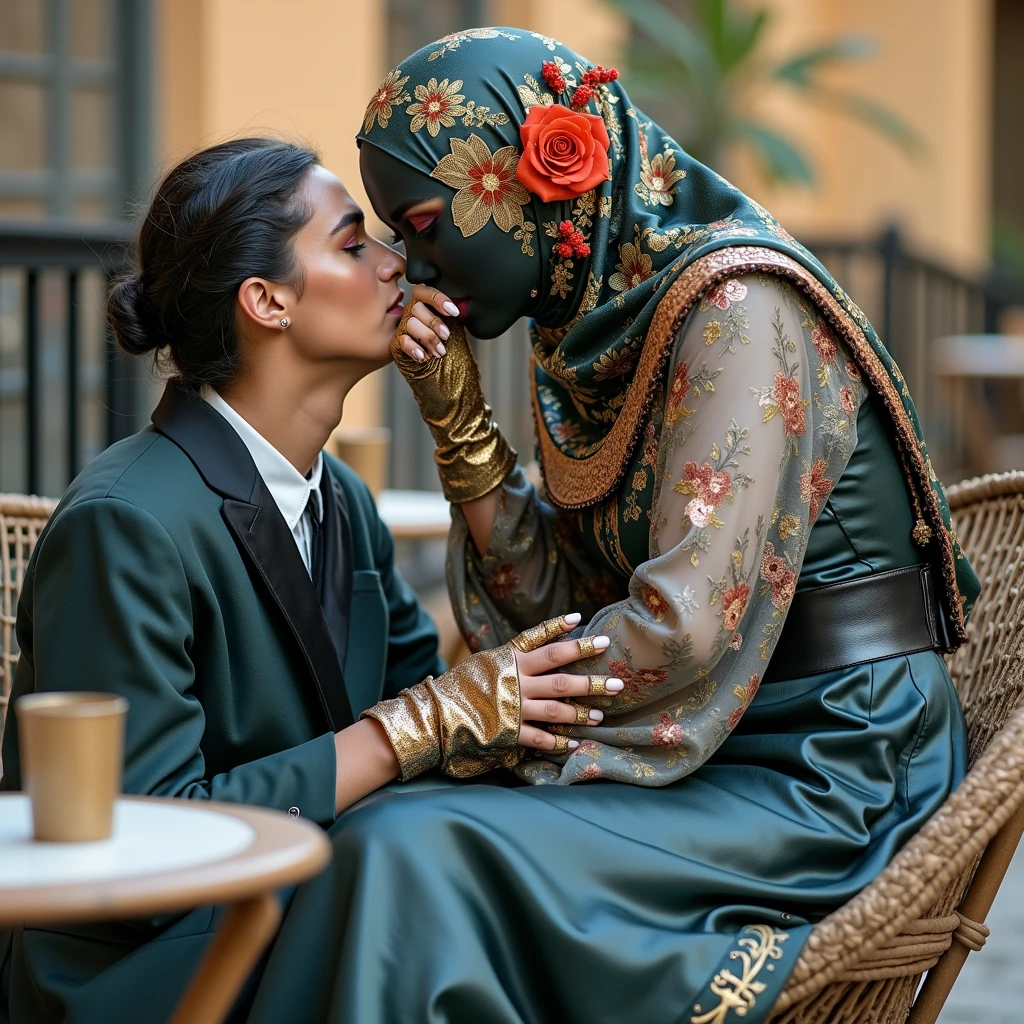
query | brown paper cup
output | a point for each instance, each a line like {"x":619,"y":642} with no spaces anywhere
{"x":72,"y":756}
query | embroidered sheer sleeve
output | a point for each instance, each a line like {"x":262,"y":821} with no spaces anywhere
{"x":533,"y":570}
{"x":759,"y":418}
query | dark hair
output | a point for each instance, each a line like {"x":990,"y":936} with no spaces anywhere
{"x":224,"y":214}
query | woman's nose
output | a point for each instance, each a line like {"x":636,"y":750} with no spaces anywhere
{"x":419,"y":270}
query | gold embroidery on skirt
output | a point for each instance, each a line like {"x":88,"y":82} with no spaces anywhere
{"x":740,"y":992}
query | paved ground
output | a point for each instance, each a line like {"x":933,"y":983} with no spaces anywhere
{"x":990,"y":989}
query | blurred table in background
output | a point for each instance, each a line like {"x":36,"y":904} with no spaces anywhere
{"x":415,"y":515}
{"x":983,"y":375}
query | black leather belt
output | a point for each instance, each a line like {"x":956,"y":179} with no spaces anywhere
{"x":845,"y":624}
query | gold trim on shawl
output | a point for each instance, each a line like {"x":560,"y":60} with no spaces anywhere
{"x":579,"y":483}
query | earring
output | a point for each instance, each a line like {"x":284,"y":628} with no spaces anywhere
{"x":285,"y":322}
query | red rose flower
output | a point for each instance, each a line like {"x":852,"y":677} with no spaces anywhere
{"x":564,"y":153}
{"x":667,"y":733}
{"x":592,"y":771}
{"x":734,"y":602}
{"x":846,"y":400}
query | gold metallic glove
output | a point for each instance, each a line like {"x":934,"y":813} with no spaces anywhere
{"x":472,"y":456}
{"x":465,"y":721}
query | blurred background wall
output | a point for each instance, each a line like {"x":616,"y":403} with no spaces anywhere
{"x":98,"y":96}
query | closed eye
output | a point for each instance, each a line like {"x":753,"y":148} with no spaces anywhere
{"x":423,"y":224}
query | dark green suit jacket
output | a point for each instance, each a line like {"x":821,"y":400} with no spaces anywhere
{"x":167,"y":574}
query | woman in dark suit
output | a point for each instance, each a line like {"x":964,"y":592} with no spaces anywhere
{"x":235,"y":583}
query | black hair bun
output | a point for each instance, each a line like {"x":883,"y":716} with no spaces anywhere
{"x":132,"y":318}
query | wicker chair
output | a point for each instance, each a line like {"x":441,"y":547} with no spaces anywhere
{"x":22,"y":517}
{"x":924,"y":912}
{"x":863,"y":963}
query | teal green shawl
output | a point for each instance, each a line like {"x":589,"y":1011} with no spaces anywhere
{"x":660,"y":230}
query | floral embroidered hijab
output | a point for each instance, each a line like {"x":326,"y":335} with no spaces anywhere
{"x":519,"y":126}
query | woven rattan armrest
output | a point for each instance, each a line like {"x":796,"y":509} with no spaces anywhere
{"x":946,"y":848}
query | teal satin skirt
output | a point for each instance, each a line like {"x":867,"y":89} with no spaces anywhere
{"x":603,"y":902}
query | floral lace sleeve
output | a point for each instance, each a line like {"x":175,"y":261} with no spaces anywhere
{"x":759,"y":420}
{"x":533,"y":570}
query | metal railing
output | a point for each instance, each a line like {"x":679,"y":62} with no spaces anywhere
{"x":913,"y":301}
{"x":65,"y":391}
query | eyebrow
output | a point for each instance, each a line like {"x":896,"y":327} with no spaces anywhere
{"x":400,"y":211}
{"x":352,"y":217}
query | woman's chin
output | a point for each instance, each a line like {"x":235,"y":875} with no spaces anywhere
{"x":488,"y":324}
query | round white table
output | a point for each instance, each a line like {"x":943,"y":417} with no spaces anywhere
{"x":164,"y":856}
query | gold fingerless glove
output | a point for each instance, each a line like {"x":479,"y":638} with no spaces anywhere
{"x":465,"y":721}
{"x":472,"y":456}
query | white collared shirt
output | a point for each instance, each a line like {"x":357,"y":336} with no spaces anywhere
{"x":288,"y":487}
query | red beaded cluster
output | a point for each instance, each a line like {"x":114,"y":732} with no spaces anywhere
{"x":572,"y":243}
{"x":584,"y":92}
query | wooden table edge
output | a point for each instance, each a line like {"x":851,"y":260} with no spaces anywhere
{"x":261,"y":867}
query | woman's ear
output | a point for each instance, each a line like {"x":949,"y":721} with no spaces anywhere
{"x":265,"y":304}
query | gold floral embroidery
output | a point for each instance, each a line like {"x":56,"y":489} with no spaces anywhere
{"x":487,"y":187}
{"x":391,"y":92}
{"x":532,"y":93}
{"x":477,"y":116}
{"x":453,"y":41}
{"x":634,"y":266}
{"x":546,"y":40}
{"x":438,"y":103}
{"x":740,"y":992}
{"x":658,"y":175}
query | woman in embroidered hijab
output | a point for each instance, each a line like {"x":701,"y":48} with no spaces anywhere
{"x":736,"y":493}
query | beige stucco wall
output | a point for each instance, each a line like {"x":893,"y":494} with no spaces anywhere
{"x":303,"y":69}
{"x":933,"y":68}
{"x":306,"y":69}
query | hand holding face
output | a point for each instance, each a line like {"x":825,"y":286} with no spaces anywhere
{"x":425,"y":330}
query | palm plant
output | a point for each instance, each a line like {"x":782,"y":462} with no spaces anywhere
{"x":697,"y":77}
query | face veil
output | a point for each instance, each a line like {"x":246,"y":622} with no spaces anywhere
{"x":454,"y":111}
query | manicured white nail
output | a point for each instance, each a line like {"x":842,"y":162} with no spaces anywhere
{"x":572,"y":619}
{"x":441,"y":349}
{"x":613,"y":685}
{"x":417,"y":353}
{"x":595,"y":715}
{"x":443,"y":333}
{"x":451,"y":309}
{"x":573,"y":744}
{"x":601,"y":642}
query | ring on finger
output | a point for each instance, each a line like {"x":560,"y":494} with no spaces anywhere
{"x":596,"y":686}
{"x":434,"y":322}
{"x":582,"y":714}
{"x":586,"y":646}
{"x":561,"y":744}
{"x":433,"y":301}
